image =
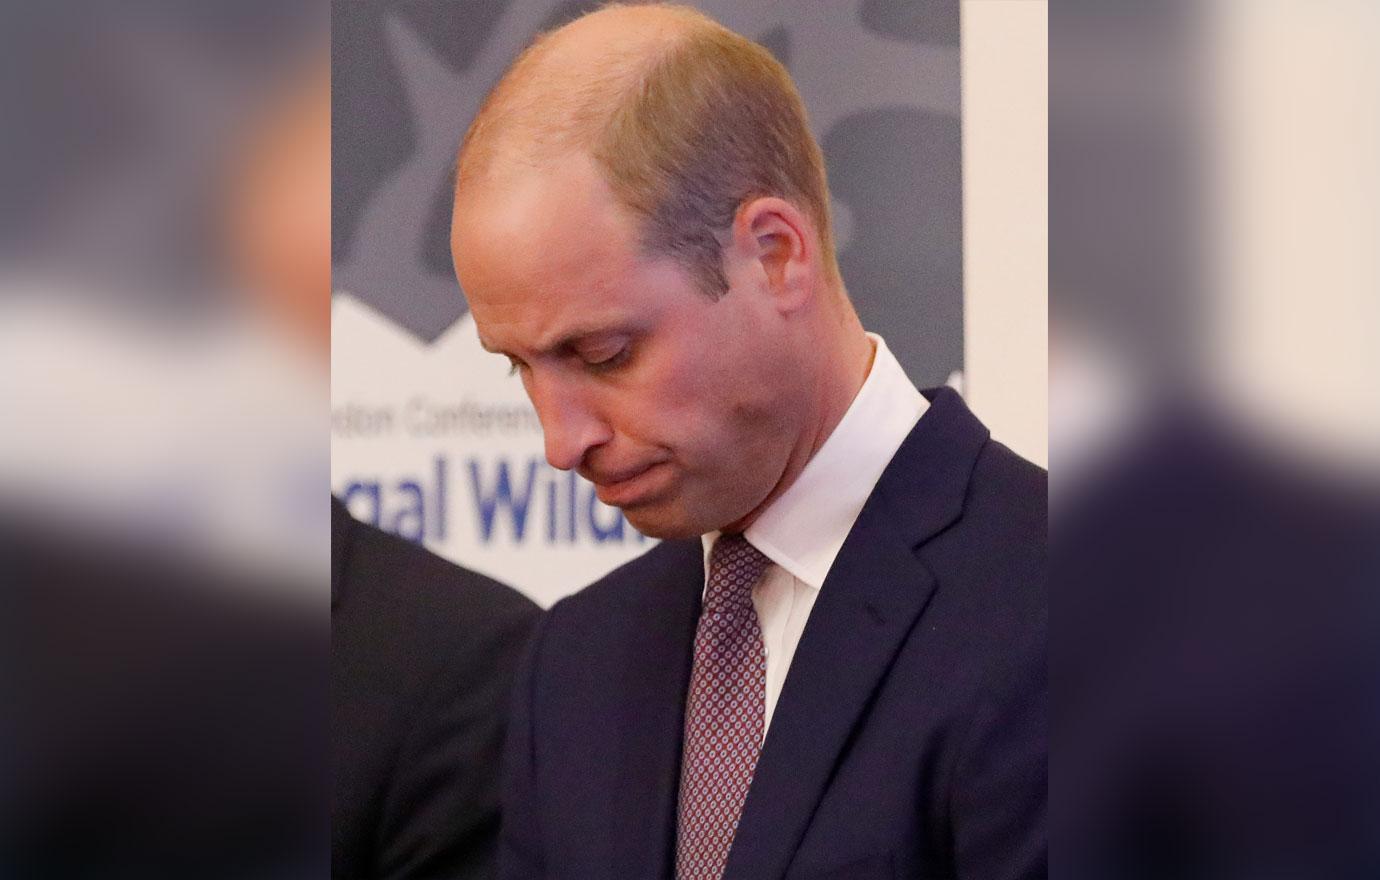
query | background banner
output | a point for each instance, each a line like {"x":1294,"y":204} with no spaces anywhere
{"x":431,"y":438}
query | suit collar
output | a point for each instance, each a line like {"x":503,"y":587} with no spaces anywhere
{"x":803,"y":530}
{"x":925,"y":484}
{"x":871,"y":600}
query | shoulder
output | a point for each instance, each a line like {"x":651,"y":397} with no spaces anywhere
{"x":385,"y":582}
{"x":993,"y":562}
{"x":1001,"y":538}
{"x":631,"y":585}
{"x":667,"y":558}
{"x":963,"y":496}
{"x":1010,"y":489}
{"x":978,"y":513}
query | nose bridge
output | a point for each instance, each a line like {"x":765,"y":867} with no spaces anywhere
{"x":570,"y":422}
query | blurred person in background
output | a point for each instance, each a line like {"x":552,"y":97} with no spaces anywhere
{"x":423,"y":655}
{"x":641,"y":226}
{"x":423,"y":652}
{"x":165,"y":642}
{"x":1216,"y":678}
{"x":279,"y":189}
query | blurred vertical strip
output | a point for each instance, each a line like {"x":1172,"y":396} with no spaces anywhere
{"x":164,"y":299}
{"x":1215,"y":438}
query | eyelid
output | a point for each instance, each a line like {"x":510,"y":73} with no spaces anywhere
{"x":613,"y":360}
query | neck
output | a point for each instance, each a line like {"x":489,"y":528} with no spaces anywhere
{"x":838,"y":374}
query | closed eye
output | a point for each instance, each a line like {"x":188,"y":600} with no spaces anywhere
{"x":602,"y":363}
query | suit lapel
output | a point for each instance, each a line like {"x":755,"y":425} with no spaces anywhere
{"x":651,"y":717}
{"x":868,"y":605}
{"x":858,"y":623}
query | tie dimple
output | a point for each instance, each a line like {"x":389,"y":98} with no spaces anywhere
{"x":724,"y":711}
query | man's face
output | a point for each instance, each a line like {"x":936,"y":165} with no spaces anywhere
{"x":675,"y":406}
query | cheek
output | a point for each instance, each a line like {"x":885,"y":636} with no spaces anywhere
{"x":701,"y":388}
{"x":723,"y":425}
{"x":671,"y":412}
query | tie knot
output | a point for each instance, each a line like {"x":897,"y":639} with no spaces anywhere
{"x":735,"y":567}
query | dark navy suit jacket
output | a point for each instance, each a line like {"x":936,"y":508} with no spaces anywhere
{"x":423,"y":655}
{"x":910,"y":736}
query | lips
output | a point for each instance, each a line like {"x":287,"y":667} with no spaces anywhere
{"x":614,"y":477}
{"x":627,"y":487}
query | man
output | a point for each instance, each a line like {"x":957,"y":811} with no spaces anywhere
{"x":423,"y":655}
{"x":834,"y":664}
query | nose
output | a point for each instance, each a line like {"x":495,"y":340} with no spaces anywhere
{"x":570,"y":425}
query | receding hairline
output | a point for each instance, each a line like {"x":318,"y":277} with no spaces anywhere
{"x":683,"y":117}
{"x":556,"y":99}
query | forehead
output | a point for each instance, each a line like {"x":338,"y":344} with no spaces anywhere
{"x":539,"y":250}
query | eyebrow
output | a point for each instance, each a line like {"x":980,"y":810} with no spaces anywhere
{"x":566,"y":341}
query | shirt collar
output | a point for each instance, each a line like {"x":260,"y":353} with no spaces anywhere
{"x":804,"y":529}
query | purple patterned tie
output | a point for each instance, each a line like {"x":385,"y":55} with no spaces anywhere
{"x":724,"y":711}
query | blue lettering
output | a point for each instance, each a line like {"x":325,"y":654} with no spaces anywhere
{"x":412,"y":514}
{"x":550,"y":511}
{"x":440,"y":512}
{"x":573,"y":482}
{"x":502,"y":496}
{"x":370,"y":490}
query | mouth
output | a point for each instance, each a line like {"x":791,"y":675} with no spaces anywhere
{"x":629,"y":487}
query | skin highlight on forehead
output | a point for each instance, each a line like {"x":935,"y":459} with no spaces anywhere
{"x":542,"y":259}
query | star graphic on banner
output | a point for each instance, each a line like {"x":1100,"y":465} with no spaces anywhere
{"x":386,"y":266}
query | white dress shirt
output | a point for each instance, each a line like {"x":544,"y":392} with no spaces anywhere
{"x":803,"y":530}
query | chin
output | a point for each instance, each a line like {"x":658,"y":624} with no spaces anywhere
{"x":662,"y":529}
{"x":663,"y":523}
{"x":671,"y":522}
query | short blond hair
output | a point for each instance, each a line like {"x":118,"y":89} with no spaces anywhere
{"x":685,"y":122}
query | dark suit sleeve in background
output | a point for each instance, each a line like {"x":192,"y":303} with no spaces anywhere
{"x":423,"y":659}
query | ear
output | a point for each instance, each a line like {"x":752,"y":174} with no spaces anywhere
{"x":776,"y":242}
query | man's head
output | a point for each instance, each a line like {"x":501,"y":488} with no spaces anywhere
{"x":641,"y":225}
